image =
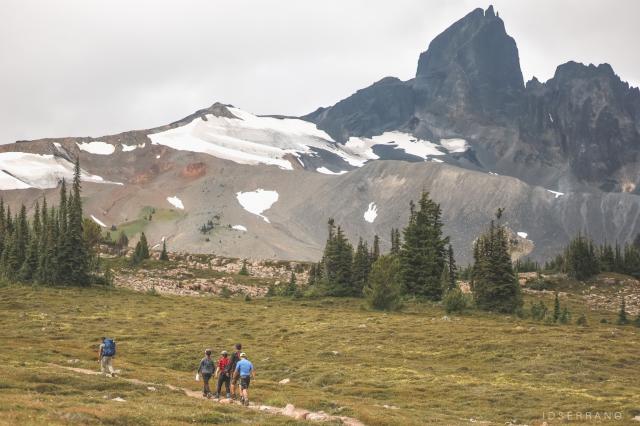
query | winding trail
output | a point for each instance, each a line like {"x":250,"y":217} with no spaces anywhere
{"x":288,"y":411}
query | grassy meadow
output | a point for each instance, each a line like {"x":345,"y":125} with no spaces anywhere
{"x":408,"y":368}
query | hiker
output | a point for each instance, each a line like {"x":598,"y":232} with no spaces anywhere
{"x":245,"y":370}
{"x":223,"y":375}
{"x":231,"y":368}
{"x":206,"y":370}
{"x":105,"y":356}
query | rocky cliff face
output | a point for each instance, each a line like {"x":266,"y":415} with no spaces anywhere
{"x":587,"y":117}
{"x":579,"y":130}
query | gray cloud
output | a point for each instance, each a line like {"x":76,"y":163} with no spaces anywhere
{"x":88,"y":67}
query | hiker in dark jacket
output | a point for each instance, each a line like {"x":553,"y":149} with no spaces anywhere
{"x":222,"y":374}
{"x":231,"y":368}
{"x":206,"y":370}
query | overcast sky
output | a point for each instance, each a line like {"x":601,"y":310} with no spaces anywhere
{"x":94,"y":67}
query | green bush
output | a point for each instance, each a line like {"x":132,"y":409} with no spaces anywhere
{"x":539,"y":284}
{"x":539,"y":311}
{"x":455,"y":301}
{"x":383,"y":289}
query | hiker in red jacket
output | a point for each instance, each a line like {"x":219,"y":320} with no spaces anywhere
{"x":222,"y":374}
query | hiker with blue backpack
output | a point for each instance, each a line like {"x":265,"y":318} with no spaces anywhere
{"x":105,"y":356}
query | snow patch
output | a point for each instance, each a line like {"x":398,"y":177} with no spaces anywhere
{"x":157,"y":156}
{"x":326,"y":171}
{"x":493,"y":174}
{"x":8,"y":182}
{"x":436,"y":160}
{"x":251,"y":139}
{"x":371,"y":213}
{"x":361,"y":149}
{"x":20,"y":170}
{"x":98,"y":221}
{"x":550,"y":118}
{"x":239,"y":228}
{"x":556,"y":193}
{"x":257,"y":201}
{"x":129,"y":148}
{"x":176,"y":202}
{"x":247,"y":139}
{"x":98,"y":148}
{"x":454,"y":145}
{"x":522,"y":234}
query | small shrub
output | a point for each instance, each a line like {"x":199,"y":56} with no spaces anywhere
{"x":604,"y":321}
{"x":152,"y":292}
{"x":581,"y":321}
{"x":383,"y":289}
{"x":244,"y":270}
{"x":622,"y":314}
{"x":539,"y":311}
{"x":539,"y":284}
{"x":455,"y":301}
{"x":565,"y":316}
{"x":247,"y":298}
{"x":225,"y":292}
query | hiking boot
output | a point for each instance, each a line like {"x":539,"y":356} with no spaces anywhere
{"x":228,"y":396}
{"x":216,"y":396}
{"x":246,"y":402}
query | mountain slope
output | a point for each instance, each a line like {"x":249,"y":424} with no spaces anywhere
{"x":560,"y":156}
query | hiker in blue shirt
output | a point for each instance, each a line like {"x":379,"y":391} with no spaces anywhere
{"x":245,"y":370}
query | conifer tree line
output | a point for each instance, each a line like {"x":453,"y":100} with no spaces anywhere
{"x":53,"y":246}
{"x":582,"y":258}
{"x":422,"y":259}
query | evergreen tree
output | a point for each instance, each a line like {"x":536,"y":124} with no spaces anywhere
{"x":337,"y":264}
{"x":494,"y":283}
{"x":2,"y":226}
{"x":141,"y":251}
{"x":453,"y":269}
{"x":622,"y":314}
{"x":581,"y":261}
{"x":78,"y":262}
{"x":383,"y":290}
{"x":164,"y":256}
{"x":243,"y":269}
{"x":361,"y":267}
{"x":556,"y":308}
{"x":291,"y":288}
{"x":375,"y":251}
{"x":445,"y":279}
{"x":395,"y":241}
{"x":423,"y":252}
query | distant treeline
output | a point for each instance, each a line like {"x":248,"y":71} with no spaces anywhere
{"x":420,"y":264}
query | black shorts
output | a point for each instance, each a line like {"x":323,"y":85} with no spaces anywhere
{"x":244,"y":382}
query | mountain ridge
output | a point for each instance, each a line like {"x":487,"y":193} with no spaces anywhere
{"x":560,"y":156}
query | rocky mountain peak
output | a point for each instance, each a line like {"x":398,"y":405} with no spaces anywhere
{"x":475,"y":62}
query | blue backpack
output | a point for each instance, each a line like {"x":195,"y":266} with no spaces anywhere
{"x":109,"y":347}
